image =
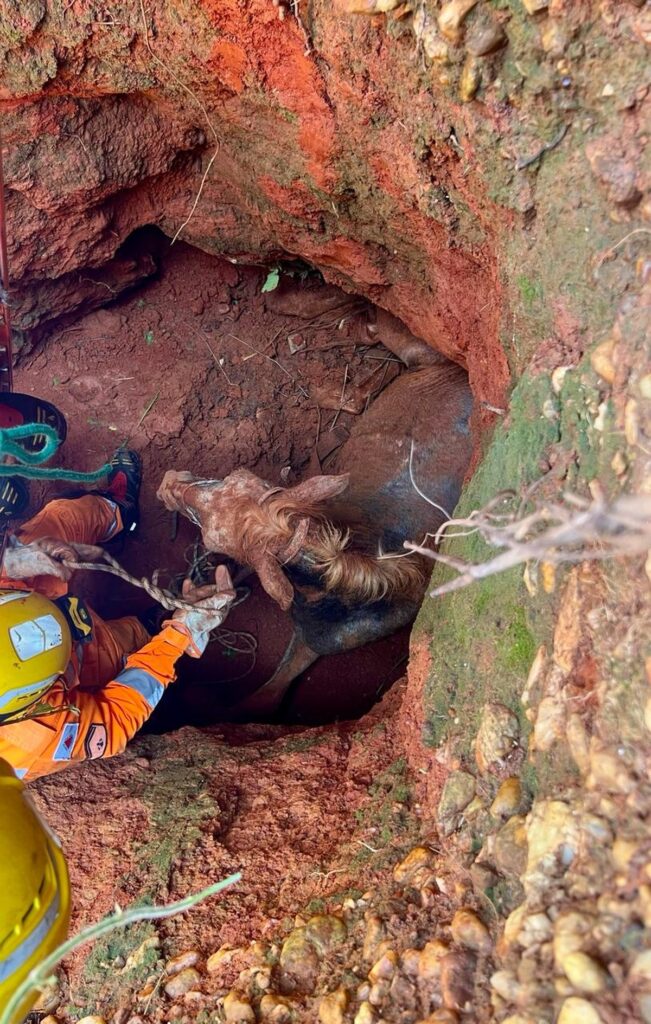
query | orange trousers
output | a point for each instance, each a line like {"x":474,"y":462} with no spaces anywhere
{"x":87,"y":520}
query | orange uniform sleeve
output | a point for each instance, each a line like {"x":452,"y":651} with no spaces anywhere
{"x":102,"y":722}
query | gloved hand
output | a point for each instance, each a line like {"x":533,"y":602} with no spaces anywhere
{"x":211,"y":605}
{"x":45,"y":557}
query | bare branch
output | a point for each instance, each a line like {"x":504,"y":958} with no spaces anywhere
{"x":575,"y":530}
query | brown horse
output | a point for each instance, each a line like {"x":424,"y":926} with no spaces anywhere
{"x":330,"y":550}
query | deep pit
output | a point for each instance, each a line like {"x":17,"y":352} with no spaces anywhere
{"x":475,"y":848}
{"x":200,"y":367}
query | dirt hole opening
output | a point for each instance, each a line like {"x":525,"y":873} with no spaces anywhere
{"x":207,"y":366}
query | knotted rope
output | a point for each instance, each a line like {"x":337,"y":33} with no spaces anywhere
{"x":108,"y":564}
{"x":234,"y":640}
{"x":29,"y":466}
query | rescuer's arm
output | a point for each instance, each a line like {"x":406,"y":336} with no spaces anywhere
{"x":96,"y":724}
{"x":101,"y":723}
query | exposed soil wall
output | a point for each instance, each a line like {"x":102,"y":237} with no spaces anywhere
{"x":340,"y":155}
{"x":490,"y":187}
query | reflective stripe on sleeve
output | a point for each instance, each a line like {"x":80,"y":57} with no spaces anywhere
{"x":17,"y":959}
{"x":144,"y":684}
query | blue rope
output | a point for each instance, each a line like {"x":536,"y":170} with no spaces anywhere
{"x":30,"y":462}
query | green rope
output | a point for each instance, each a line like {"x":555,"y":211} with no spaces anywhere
{"x":11,"y":435}
{"x":10,"y":446}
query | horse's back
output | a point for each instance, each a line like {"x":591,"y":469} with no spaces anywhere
{"x":427,"y":410}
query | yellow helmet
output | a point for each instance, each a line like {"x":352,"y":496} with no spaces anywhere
{"x":34,"y":890}
{"x":35,"y":647}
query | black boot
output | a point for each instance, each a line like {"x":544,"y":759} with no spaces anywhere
{"x":14,"y":497}
{"x":124,"y":486}
{"x":16,"y":409}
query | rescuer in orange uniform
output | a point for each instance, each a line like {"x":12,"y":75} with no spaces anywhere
{"x":72,"y":686}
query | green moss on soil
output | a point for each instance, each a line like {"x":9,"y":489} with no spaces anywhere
{"x":104,"y":969}
{"x":519,"y":646}
{"x":387,"y":817}
{"x":483,"y":639}
{"x":553,"y":273}
{"x":178,"y":803}
{"x":483,"y":645}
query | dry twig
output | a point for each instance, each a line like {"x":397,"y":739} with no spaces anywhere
{"x":258,"y":352}
{"x":546,"y":148}
{"x":148,"y":408}
{"x":192,"y":94}
{"x":306,"y":35}
{"x":39,"y":975}
{"x":608,"y":254}
{"x":341,"y":400}
{"x":574,"y":530}
{"x":218,"y":363}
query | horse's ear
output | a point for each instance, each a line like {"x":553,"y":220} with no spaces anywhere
{"x":319,"y":488}
{"x":273,"y":580}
